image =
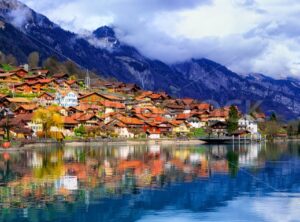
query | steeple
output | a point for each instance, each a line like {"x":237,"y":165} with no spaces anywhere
{"x":87,"y":80}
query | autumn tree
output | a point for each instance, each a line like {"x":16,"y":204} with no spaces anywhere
{"x":2,"y":58}
{"x":48,"y":117}
{"x":272,"y":129}
{"x":232,"y":122}
{"x":33,"y":59}
{"x":52,"y":64}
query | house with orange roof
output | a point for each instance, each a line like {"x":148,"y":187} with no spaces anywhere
{"x":26,"y":108}
{"x":69,"y":125}
{"x":10,"y":77}
{"x":20,"y":72}
{"x":46,"y":99}
{"x":61,"y":76}
{"x":96,"y":98}
{"x":88,"y":119}
{"x":219,"y":114}
{"x":202,"y":107}
{"x":22,"y":88}
{"x":110,"y":106}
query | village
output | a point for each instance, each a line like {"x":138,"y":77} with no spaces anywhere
{"x":37,"y":104}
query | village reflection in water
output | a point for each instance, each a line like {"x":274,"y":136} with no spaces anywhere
{"x":60,"y":176}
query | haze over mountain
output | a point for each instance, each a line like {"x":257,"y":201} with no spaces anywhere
{"x":26,"y":31}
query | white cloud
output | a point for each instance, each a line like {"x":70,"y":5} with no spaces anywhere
{"x":246,"y":35}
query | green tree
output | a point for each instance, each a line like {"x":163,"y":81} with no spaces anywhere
{"x":273,"y":117}
{"x":80,"y":131}
{"x":290,"y":130}
{"x":33,"y":60}
{"x":233,"y":119}
{"x":199,"y":132}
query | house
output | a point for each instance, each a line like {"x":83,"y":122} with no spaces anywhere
{"x":202,"y":107}
{"x":96,"y":98}
{"x":153,"y":133}
{"x":219,"y":115}
{"x":70,"y":99}
{"x":180,"y":127}
{"x":259,"y":117}
{"x":248,"y":123}
{"x":195,"y":121}
{"x":21,"y":72}
{"x":111,"y":107}
{"x":218,"y":128}
{"x":10,"y":77}
{"x":26,"y":108}
{"x":23,"y":88}
{"x":13,"y":103}
{"x":72,"y":84}
{"x":88,"y":119}
{"x":61,"y":76}
{"x":46,"y":99}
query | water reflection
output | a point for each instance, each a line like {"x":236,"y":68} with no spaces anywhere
{"x":124,"y":182}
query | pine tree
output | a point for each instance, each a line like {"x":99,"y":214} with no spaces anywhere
{"x":232,"y":122}
{"x":273,"y":117}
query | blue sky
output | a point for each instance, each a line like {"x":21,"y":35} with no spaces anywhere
{"x":245,"y":35}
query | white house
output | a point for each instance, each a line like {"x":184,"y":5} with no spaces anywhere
{"x":195,"y":122}
{"x":247,"y":122}
{"x":70,"y":99}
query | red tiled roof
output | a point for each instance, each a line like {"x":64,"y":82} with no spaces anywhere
{"x":130,"y":121}
{"x":69,"y":120}
{"x":110,"y":104}
{"x":28,"y":106}
{"x":86,"y":117}
{"x":183,"y":116}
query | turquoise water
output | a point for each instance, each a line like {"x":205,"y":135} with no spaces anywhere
{"x":255,"y":182}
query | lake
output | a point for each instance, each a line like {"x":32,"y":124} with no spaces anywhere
{"x":257,"y":182}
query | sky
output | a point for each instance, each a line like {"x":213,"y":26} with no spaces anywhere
{"x":261,"y":36}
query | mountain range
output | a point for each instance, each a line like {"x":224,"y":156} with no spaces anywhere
{"x":23,"y":30}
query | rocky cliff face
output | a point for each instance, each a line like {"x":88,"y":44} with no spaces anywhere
{"x":26,"y":31}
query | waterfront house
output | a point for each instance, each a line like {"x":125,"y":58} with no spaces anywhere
{"x":248,"y":123}
{"x":218,"y":128}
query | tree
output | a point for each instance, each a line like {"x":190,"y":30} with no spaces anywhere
{"x":48,"y":117}
{"x":2,"y":58}
{"x":11,"y":60}
{"x":52,"y":64}
{"x":80,"y":131}
{"x":273,"y":117}
{"x":33,"y":59}
{"x":290,"y":130}
{"x":272,"y":129}
{"x":298,"y":131}
{"x":232,"y":122}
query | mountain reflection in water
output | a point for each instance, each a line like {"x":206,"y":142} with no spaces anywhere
{"x":130,"y":183}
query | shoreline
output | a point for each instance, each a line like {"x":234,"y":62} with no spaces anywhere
{"x":40,"y":144}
